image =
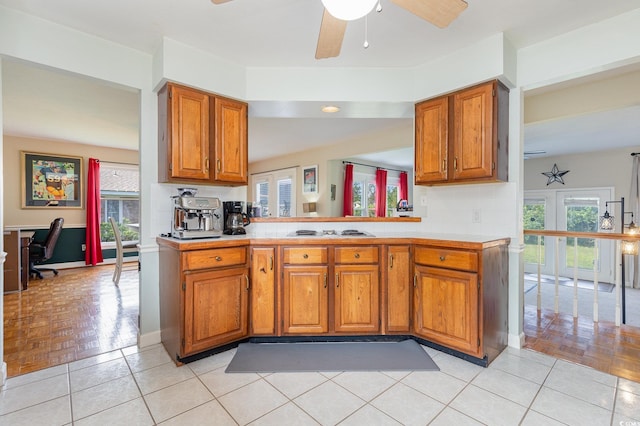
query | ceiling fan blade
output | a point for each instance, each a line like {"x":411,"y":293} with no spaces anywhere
{"x":330,"y":37}
{"x":219,"y":1}
{"x":439,"y":12}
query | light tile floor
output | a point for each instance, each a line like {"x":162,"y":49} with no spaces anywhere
{"x":143,"y":387}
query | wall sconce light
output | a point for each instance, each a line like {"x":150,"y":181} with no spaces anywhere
{"x":631,"y":247}
{"x":309,"y":207}
{"x":607,"y":221}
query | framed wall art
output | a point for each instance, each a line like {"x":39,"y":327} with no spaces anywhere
{"x":310,"y":179}
{"x":51,"y":181}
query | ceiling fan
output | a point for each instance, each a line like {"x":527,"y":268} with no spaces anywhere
{"x":438,"y":12}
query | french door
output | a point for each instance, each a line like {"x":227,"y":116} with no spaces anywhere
{"x":576,"y":210}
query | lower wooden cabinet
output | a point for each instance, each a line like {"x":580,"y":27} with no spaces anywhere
{"x":305,"y":299}
{"x":356,"y":296}
{"x":263,"y":291}
{"x":398,"y":289}
{"x":446,"y":308}
{"x":215,"y":308}
{"x":451,"y":294}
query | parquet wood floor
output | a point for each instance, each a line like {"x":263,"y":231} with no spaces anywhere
{"x":601,"y":345}
{"x":77,"y":314}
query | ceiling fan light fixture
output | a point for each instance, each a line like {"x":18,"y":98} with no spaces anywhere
{"x":349,"y":10}
{"x":330,"y":109}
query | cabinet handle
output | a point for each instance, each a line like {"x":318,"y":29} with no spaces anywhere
{"x":415,"y":278}
{"x":444,"y":165}
{"x":218,"y":258}
{"x":442,"y":258}
{"x":206,"y":163}
{"x":305,"y":256}
{"x":271,"y":263}
{"x":337,"y":280}
{"x":246,"y":277}
{"x":455,"y":163}
{"x":218,"y":164}
{"x":357,"y":255}
{"x":390,"y":261}
{"x":325,"y":280}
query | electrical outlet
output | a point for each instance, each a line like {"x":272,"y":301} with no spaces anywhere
{"x":423,"y":200}
{"x":475,"y":216}
{"x":84,"y":247}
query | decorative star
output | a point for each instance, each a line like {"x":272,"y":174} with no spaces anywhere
{"x":555,"y":175}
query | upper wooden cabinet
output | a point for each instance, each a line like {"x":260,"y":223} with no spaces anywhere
{"x":462,"y":137}
{"x":202,"y":138}
{"x":230,"y":128}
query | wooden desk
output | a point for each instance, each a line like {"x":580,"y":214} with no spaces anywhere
{"x":16,"y":265}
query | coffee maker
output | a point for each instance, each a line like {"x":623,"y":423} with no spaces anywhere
{"x":235,"y":217}
{"x":194,"y":217}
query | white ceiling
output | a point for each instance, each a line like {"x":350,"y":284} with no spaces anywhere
{"x":283,"y":33}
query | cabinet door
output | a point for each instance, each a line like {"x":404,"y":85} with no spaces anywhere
{"x":230,"y":141}
{"x":398,"y":289}
{"x":446,"y":308}
{"x":305,"y":299}
{"x":263,"y":290}
{"x":357,"y":306}
{"x":432,"y":127}
{"x":473,"y":136}
{"x":215,"y":308}
{"x":190,"y":146}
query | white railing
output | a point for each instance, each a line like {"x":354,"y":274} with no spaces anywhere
{"x":618,"y":265}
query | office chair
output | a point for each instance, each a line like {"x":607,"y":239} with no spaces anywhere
{"x":41,"y":251}
{"x":121,"y":249}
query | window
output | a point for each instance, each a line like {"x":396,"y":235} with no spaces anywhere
{"x":274,"y":193}
{"x":119,"y":199}
{"x":364,"y":193}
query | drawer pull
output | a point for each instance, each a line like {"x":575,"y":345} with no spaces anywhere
{"x":337,"y":280}
{"x":305,"y":256}
{"x":442,"y":258}
{"x":390,"y":261}
{"x":271,"y":263}
{"x":325,"y":280}
{"x":218,"y":258}
{"x":357,"y":255}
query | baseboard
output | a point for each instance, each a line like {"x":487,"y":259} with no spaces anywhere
{"x":3,"y":374}
{"x":516,"y":340}
{"x":149,"y":339}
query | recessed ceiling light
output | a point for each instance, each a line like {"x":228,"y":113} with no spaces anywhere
{"x":330,"y":108}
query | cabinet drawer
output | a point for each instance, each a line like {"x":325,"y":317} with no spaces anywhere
{"x":305,"y":255}
{"x":214,"y":258}
{"x":356,"y":254}
{"x":445,"y":258}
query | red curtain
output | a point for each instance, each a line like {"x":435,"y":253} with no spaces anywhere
{"x":381,"y":193}
{"x":404,"y":187}
{"x":93,"y":255}
{"x":347,"y":201}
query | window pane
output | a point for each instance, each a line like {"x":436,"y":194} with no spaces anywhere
{"x":357,"y":199}
{"x":582,"y":216}
{"x":284,"y":198}
{"x":262,"y":194}
{"x":534,"y":214}
{"x":392,"y":199}
{"x":371,"y":199}
{"x":120,"y":199}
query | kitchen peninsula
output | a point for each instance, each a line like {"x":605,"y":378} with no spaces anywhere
{"x":449,"y":292}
